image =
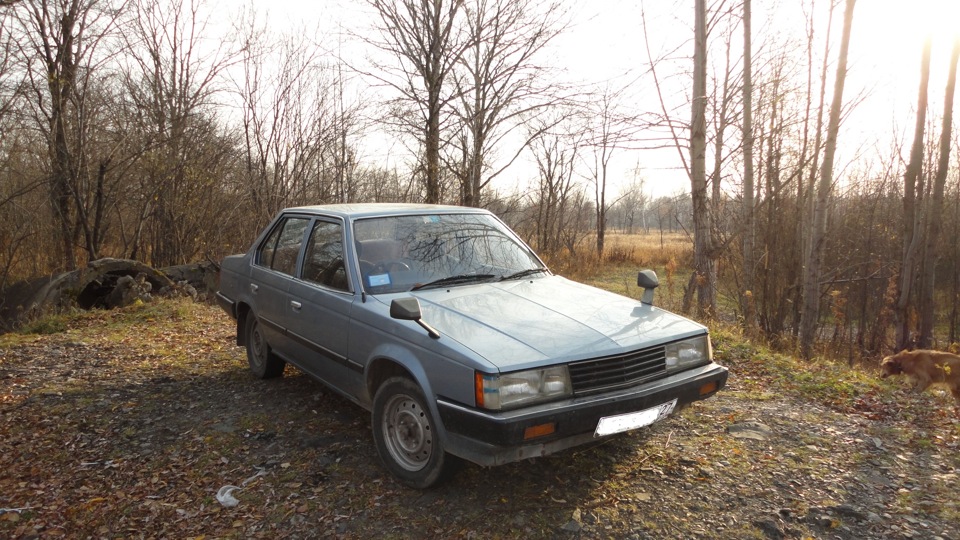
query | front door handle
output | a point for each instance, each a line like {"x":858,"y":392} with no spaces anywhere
{"x":295,"y":305}
{"x":254,"y":287}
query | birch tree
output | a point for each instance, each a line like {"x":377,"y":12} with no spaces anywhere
{"x":911,"y":214}
{"x":810,"y":308}
{"x":935,"y":211}
{"x":746,"y":302}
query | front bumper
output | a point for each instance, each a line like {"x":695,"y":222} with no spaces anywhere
{"x":495,"y":437}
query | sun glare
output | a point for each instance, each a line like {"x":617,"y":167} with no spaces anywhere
{"x":902,"y":27}
{"x":887,"y":46}
{"x":936,"y":18}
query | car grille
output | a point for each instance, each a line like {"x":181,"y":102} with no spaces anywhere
{"x":620,"y":371}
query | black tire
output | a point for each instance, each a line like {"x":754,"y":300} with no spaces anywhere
{"x":405,"y":435}
{"x":263,"y":363}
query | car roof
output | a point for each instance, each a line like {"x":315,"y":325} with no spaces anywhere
{"x":364,"y":210}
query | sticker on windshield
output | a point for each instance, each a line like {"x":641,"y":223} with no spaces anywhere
{"x":431,"y":219}
{"x":379,"y":279}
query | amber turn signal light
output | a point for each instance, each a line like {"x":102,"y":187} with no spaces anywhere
{"x":708,"y":388}
{"x":540,"y":430}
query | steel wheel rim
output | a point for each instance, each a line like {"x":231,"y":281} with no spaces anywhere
{"x":407,"y":433}
{"x":259,"y":347}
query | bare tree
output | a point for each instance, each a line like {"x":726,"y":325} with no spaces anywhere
{"x":608,"y":130}
{"x":632,"y":204}
{"x":423,"y":37}
{"x":295,"y":124}
{"x":935,"y":211}
{"x":174,"y":76}
{"x":558,"y":198}
{"x":747,"y":212}
{"x":704,"y":276}
{"x":810,"y":309}
{"x":61,"y":48}
{"x":499,"y":84}
{"x":912,"y":236}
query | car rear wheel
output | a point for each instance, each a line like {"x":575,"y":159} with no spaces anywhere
{"x":263,"y":363}
{"x":405,"y":435}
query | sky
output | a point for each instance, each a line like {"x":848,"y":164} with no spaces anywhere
{"x":605,"y":42}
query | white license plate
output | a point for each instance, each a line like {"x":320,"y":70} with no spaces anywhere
{"x":609,"y":425}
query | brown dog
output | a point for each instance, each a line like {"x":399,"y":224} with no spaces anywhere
{"x":925,"y":367}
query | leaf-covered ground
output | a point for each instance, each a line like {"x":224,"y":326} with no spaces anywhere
{"x":127,"y":423}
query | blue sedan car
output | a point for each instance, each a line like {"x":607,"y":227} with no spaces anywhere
{"x":444,"y":324}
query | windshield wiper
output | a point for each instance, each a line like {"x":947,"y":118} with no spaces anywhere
{"x":454,"y":280}
{"x":524,"y":273}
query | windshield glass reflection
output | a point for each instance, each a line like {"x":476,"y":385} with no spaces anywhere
{"x":403,"y":253}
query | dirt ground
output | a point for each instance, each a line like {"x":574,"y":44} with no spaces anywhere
{"x":128,"y":423}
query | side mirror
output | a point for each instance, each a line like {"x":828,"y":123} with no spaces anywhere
{"x":405,"y":309}
{"x":408,"y":309}
{"x":647,"y":280}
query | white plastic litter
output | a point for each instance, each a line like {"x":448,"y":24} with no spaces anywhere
{"x":225,"y":496}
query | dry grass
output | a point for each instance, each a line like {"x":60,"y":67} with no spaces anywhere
{"x":660,"y":252}
{"x":651,"y":249}
{"x":670,"y":255}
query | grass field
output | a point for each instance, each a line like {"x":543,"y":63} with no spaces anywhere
{"x":670,"y":255}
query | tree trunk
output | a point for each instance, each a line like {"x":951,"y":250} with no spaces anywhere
{"x":911,"y":235}
{"x":806,"y":201}
{"x":747,"y":295}
{"x":58,"y":50}
{"x":935,"y":212}
{"x":704,"y":262}
{"x":812,"y":269}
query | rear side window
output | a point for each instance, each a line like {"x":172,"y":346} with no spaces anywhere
{"x":281,"y":248}
{"x":323,"y":262}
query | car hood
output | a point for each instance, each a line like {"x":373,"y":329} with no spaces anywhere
{"x":528,"y":323}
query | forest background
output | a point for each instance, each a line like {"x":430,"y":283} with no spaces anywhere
{"x":822,"y":204}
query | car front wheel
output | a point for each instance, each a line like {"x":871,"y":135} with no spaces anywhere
{"x":263,"y":363}
{"x":405,"y":435}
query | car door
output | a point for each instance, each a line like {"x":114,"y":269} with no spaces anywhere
{"x":319,"y":302}
{"x":275,"y":264}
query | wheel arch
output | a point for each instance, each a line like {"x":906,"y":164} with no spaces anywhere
{"x":403,"y":363}
{"x":383,"y":368}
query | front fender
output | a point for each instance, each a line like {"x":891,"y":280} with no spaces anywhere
{"x":392,"y":359}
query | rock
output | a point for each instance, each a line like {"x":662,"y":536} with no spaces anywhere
{"x":128,"y":290}
{"x":750,"y":430}
{"x":769,"y":528}
{"x":846,"y":510}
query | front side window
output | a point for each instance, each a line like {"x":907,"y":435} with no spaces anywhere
{"x":405,"y":253}
{"x":323,"y":262}
{"x":280,"y":250}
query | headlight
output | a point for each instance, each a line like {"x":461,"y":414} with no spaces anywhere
{"x":511,"y":390}
{"x":688,"y":353}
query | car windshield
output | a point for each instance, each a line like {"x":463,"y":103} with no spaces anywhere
{"x":403,"y":253}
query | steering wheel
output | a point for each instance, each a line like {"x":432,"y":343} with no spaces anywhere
{"x":390,"y":265}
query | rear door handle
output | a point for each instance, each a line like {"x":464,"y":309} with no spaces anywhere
{"x":254,"y":287}
{"x":295,"y":305}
